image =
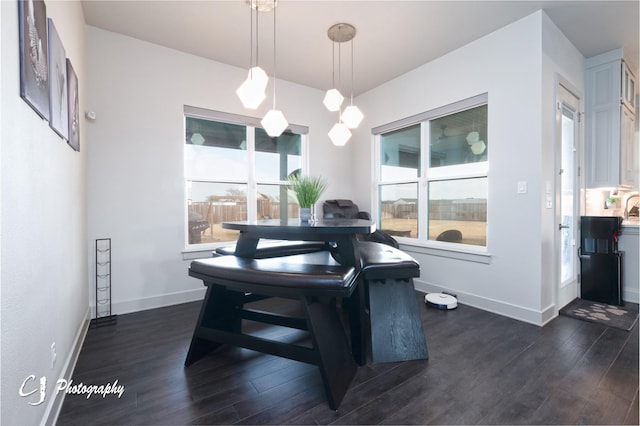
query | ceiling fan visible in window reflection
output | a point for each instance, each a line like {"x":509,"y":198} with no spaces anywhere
{"x":443,"y":136}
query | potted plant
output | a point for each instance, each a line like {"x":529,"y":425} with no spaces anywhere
{"x":611,"y":201}
{"x":307,"y":190}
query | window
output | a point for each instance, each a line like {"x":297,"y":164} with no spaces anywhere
{"x":432,"y":175}
{"x":235,"y":171}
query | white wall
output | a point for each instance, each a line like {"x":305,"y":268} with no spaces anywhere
{"x":43,"y":246}
{"x":507,"y":65}
{"x":135,"y":160}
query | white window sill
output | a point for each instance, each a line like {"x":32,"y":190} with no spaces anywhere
{"x":466,"y":253}
{"x":197,"y":253}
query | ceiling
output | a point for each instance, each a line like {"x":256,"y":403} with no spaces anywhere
{"x":393,"y":37}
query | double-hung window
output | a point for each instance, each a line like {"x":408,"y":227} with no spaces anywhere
{"x":432,"y":175}
{"x":235,"y":171}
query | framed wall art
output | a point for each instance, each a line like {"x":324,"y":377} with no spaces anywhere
{"x":34,"y":69}
{"x":74,"y":107}
{"x":58,"y":97}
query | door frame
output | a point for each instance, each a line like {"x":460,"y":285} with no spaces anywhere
{"x":566,"y":294}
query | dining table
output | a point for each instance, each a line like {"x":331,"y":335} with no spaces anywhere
{"x":340,"y":234}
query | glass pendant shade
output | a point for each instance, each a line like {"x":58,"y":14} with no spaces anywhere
{"x":352,"y":116}
{"x":333,"y":99}
{"x":473,"y":137}
{"x":252,"y":91}
{"x":274,"y":123}
{"x":339,"y":134}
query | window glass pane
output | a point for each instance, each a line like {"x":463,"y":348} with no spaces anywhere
{"x":276,"y":202}
{"x":398,"y":209}
{"x":400,"y":154}
{"x":215,"y":150}
{"x":277,"y":157}
{"x":209,"y":205}
{"x":458,"y":211}
{"x":459,"y":138}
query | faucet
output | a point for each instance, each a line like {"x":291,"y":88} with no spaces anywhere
{"x":626,"y":206}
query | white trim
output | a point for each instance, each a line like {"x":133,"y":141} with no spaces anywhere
{"x":201,"y":253}
{"x":562,"y":294}
{"x":428,"y":174}
{"x":519,"y":313}
{"x":158,"y":301}
{"x":452,"y":251}
{"x":251,"y":182}
{"x":452,"y":108}
{"x":52,"y":412}
{"x":230,"y":118}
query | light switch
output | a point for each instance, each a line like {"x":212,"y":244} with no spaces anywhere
{"x":522,"y":187}
{"x":548,"y":202}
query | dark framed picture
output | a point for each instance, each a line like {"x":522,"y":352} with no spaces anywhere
{"x":58,"y":101}
{"x":34,"y":58}
{"x":74,"y":108}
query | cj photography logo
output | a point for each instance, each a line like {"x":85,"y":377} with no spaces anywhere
{"x":37,"y":390}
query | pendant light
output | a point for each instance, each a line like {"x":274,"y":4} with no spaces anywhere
{"x":274,"y":122}
{"x":339,"y":134}
{"x":253,"y":90}
{"x":352,"y":116}
{"x":333,"y":99}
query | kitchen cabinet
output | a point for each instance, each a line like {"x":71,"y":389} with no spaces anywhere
{"x":630,"y":245}
{"x":610,"y":122}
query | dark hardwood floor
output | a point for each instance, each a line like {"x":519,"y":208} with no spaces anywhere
{"x":483,"y":369}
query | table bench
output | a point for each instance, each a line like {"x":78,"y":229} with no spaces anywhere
{"x":394,"y":315}
{"x":312,"y":278}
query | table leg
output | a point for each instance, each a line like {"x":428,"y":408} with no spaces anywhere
{"x":337,"y":367}
{"x":358,"y":323}
{"x":218,"y":311}
{"x":348,"y":253}
{"x":246,"y":246}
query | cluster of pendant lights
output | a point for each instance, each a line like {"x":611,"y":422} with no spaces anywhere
{"x":253,"y":91}
{"x":351,"y":117}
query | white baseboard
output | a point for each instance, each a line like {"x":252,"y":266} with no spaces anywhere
{"x":152,"y":302}
{"x":520,"y":313}
{"x":630,"y":295}
{"x":55,"y":404}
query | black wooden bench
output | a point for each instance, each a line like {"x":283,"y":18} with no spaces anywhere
{"x":394,"y":315}
{"x":313,"y":278}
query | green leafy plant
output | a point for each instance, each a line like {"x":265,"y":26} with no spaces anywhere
{"x":307,"y":189}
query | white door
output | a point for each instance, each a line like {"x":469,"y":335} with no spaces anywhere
{"x":566,"y":223}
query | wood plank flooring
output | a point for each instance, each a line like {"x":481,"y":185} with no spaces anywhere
{"x":483,"y":369}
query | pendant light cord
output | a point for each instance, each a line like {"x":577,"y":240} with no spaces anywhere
{"x":339,"y":72}
{"x":351,"y":72}
{"x":274,"y":57}
{"x":251,"y":38}
{"x":333,"y":65}
{"x":339,"y":62}
{"x":257,"y":34}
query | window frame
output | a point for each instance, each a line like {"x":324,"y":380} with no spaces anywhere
{"x":252,"y":183}
{"x":432,"y":174}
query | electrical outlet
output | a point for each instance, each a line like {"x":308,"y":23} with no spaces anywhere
{"x":522,"y":187}
{"x":53,"y":354}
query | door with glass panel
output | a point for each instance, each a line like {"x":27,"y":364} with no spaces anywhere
{"x":567,"y":143}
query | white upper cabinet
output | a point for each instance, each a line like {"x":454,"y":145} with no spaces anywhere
{"x":610,"y":121}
